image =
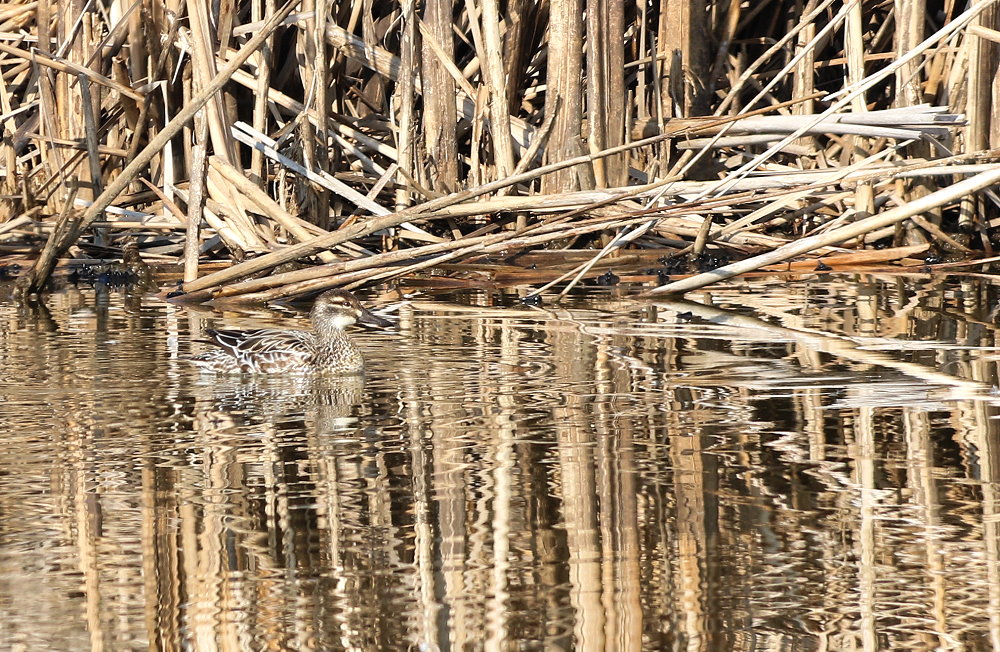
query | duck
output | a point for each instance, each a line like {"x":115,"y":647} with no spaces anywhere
{"x":327,"y":349}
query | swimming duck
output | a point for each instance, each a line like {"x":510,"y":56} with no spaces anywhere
{"x":326,"y":349}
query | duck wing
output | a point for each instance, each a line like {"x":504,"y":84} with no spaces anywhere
{"x":266,"y":349}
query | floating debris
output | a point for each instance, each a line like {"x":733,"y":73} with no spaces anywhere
{"x":607,"y":278}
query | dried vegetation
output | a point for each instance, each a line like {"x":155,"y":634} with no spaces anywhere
{"x":377,"y":140}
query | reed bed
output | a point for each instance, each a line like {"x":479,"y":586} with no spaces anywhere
{"x":362,"y":142}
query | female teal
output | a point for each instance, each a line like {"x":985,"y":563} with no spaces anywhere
{"x":326,"y":349}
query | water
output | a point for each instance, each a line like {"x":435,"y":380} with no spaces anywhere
{"x":796,"y":466}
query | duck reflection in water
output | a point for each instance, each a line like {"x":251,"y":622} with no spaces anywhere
{"x":235,"y":407}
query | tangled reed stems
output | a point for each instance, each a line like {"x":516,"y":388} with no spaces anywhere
{"x":381,"y":140}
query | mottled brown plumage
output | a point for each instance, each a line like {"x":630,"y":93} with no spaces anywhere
{"x":326,"y":349}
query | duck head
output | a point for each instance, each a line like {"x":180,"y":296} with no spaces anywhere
{"x":338,"y":309}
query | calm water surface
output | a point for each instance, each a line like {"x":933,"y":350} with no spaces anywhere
{"x":777,"y":466}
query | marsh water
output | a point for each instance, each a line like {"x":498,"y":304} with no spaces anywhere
{"x":779,"y":465}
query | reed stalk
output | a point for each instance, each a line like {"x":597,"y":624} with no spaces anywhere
{"x":411,"y":133}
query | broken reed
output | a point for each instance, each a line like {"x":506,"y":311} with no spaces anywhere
{"x":356,"y":117}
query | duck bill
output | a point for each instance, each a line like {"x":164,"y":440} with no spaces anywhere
{"x":371,"y":319}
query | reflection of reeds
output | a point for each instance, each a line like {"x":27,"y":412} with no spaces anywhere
{"x":378,"y":130}
{"x":615,"y":475}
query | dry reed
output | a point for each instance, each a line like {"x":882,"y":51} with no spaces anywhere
{"x":386,"y":138}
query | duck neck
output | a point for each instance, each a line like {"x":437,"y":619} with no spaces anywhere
{"x":331,"y":336}
{"x":336,"y":351}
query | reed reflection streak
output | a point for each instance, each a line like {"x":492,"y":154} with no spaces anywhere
{"x":605,"y":475}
